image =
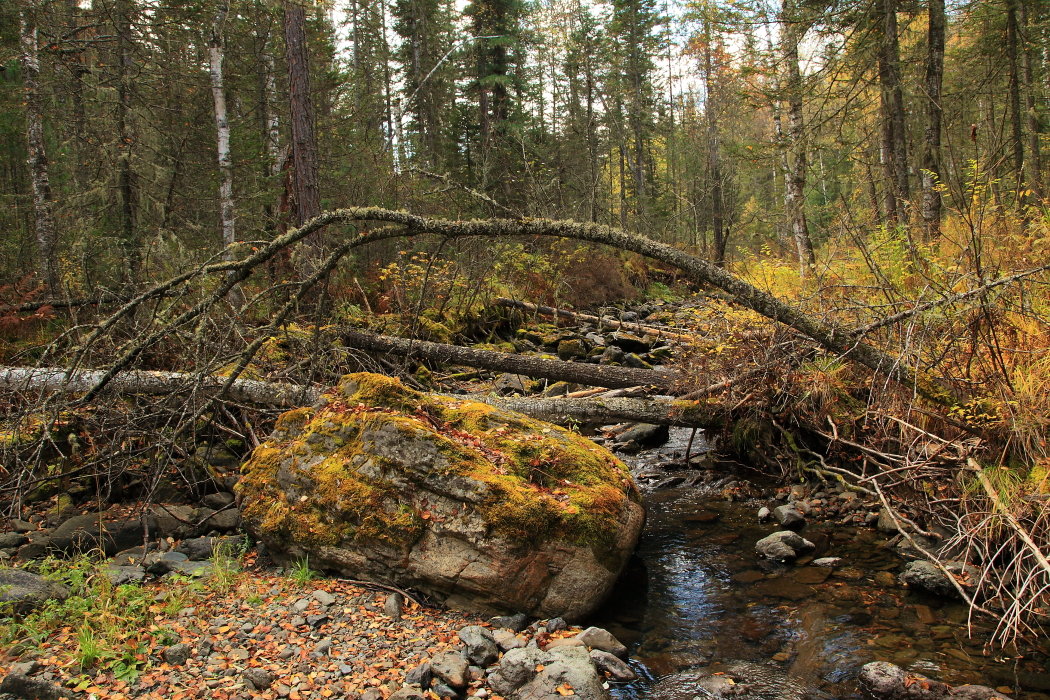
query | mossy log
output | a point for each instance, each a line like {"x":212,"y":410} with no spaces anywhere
{"x":283,"y":395}
{"x":608,"y":376}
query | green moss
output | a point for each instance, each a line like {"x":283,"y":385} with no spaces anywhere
{"x":542,"y":481}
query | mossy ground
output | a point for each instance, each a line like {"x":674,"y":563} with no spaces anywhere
{"x":542,"y":481}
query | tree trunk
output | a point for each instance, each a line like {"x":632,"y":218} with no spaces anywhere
{"x":304,"y":143}
{"x":43,"y":216}
{"x":714,"y":156}
{"x":576,"y":372}
{"x":1014,"y":97}
{"x":894,"y":139}
{"x":604,"y":322}
{"x":281,"y":395}
{"x":216,"y":49}
{"x":129,"y":238}
{"x":795,"y":174}
{"x":931,"y":159}
{"x":1035,"y":160}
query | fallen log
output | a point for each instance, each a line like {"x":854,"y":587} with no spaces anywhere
{"x":283,"y":395}
{"x":609,"y":376}
{"x":601,"y":321}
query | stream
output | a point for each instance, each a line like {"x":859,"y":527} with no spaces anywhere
{"x":703,"y":617}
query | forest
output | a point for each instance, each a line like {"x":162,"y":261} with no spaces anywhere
{"x":828,"y":221}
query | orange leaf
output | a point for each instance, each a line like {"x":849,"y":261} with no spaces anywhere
{"x":565,"y":689}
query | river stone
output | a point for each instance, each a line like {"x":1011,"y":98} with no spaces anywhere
{"x":25,"y":590}
{"x":597,"y":638}
{"x":122,"y":575}
{"x":451,"y":667}
{"x":783,"y":546}
{"x":408,"y":691}
{"x":566,"y":666}
{"x":19,"y":686}
{"x":645,"y":435}
{"x":925,"y":576}
{"x":479,"y":508}
{"x":481,"y":647}
{"x":789,"y":516}
{"x":977,"y":692}
{"x":82,"y":533}
{"x":515,"y":623}
{"x":616,"y":668}
{"x":886,"y":681}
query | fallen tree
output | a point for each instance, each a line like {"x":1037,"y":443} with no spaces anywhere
{"x":46,"y":380}
{"x":609,"y":376}
{"x":604,"y":322}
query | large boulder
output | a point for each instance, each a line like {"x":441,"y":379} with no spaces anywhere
{"x":24,"y":590}
{"x":483,"y":509}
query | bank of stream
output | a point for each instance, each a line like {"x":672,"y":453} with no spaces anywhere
{"x":698,"y":607}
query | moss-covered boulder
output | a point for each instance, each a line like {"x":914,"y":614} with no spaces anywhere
{"x":483,"y":509}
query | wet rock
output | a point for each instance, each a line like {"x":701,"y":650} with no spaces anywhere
{"x":812,"y":575}
{"x":24,"y":590}
{"x":785,"y":546}
{"x":925,"y":576}
{"x":491,"y":542}
{"x":885,"y":523}
{"x":764,"y":514}
{"x":613,"y":666}
{"x":597,"y":638}
{"x":789,"y":516}
{"x":645,"y":435}
{"x":827,"y":562}
{"x":481,"y":647}
{"x":20,"y":686}
{"x":977,"y":692}
{"x":886,"y":681}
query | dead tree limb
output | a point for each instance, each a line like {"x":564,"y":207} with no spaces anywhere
{"x":601,"y":322}
{"x":283,"y":395}
{"x":608,"y":376}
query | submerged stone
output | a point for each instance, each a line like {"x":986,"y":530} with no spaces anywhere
{"x":483,"y":509}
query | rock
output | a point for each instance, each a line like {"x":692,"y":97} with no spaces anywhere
{"x":226,"y":520}
{"x":612,"y":356}
{"x":82,"y":533}
{"x":571,"y":349}
{"x":827,"y":562}
{"x":122,"y":575}
{"x":324,"y":597}
{"x":556,"y":624}
{"x":633,"y":360}
{"x":177,"y":654}
{"x":977,"y":692}
{"x":512,"y":384}
{"x":788,"y":516}
{"x":569,"y":666}
{"x":160,"y":563}
{"x":379,"y":493}
{"x":614,"y":667}
{"x":198,"y":548}
{"x":885,"y":523}
{"x":175,"y":521}
{"x":515,"y":623}
{"x":12,"y":540}
{"x":763,"y":514}
{"x":481,"y":647}
{"x":561,"y":642}
{"x":645,"y":435}
{"x":38,"y":546}
{"x":218,"y":501}
{"x":597,"y":638}
{"x":20,"y":526}
{"x":451,"y":667}
{"x":25,"y":590}
{"x":886,"y":681}
{"x":421,"y":675}
{"x":507,"y":639}
{"x":925,"y":576}
{"x":20,"y":686}
{"x":260,"y":678}
{"x":393,"y":606}
{"x":408,"y":692}
{"x":516,"y":668}
{"x":629,"y":342}
{"x":783,"y":546}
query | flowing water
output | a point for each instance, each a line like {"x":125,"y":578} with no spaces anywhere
{"x":702,"y":615}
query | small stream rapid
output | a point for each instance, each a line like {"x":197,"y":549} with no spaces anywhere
{"x":703,"y":617}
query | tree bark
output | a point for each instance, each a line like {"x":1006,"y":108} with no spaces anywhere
{"x":608,"y":376}
{"x":1014,"y":97}
{"x":129,"y":238}
{"x":283,"y":395}
{"x":304,"y":143}
{"x":795,"y":174}
{"x":43,"y":216}
{"x":894,"y":139}
{"x":216,"y":50}
{"x":1035,"y":160}
{"x":931,"y":159}
{"x":714,"y":156}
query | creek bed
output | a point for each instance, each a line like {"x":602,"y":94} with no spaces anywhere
{"x":697,"y":601}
